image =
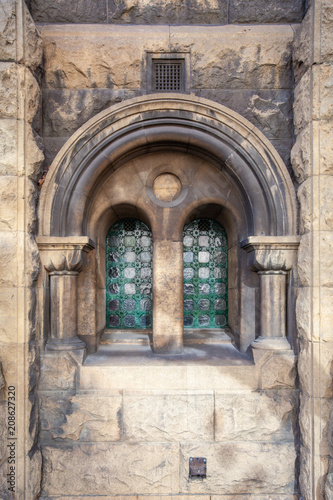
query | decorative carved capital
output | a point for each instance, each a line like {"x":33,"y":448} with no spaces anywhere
{"x":64,"y":255}
{"x":271,"y":253}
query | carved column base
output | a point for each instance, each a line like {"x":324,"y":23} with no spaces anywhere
{"x":271,"y":343}
{"x":69,"y":344}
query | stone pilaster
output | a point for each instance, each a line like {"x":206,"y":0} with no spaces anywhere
{"x":272,"y":258}
{"x":63,"y":259}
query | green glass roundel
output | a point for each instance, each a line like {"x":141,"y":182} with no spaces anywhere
{"x":129,"y":275}
{"x":205,"y":275}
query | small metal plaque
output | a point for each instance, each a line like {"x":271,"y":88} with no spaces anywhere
{"x":198,"y":467}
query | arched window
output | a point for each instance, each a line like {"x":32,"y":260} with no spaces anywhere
{"x":205,"y":275}
{"x":129,"y":275}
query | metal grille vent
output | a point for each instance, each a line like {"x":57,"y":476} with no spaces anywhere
{"x":168,"y":75}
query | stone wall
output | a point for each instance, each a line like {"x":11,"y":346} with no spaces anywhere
{"x":89,"y":68}
{"x":129,"y":427}
{"x":312,"y":162}
{"x":167,"y":11}
{"x":20,"y":161}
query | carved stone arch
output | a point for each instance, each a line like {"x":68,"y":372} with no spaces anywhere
{"x":253,"y":187}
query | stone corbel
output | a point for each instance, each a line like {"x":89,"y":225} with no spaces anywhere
{"x":272,"y":257}
{"x":63,"y":259}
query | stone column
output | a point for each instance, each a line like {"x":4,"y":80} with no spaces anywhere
{"x":272,"y":258}
{"x":63,"y":259}
{"x":168,"y":297}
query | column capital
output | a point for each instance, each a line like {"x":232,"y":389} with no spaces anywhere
{"x":271,"y":253}
{"x":64,"y":255}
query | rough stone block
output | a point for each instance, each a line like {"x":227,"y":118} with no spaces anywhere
{"x":326,"y":258}
{"x":326,"y":151}
{"x":57,"y":373}
{"x":302,"y":46}
{"x":324,"y":90}
{"x":301,"y":155}
{"x":254,"y":417}
{"x":8,"y":315}
{"x":8,"y":206}
{"x":241,"y":467}
{"x":64,"y":111}
{"x":279,"y":371}
{"x":269,"y":110}
{"x":168,"y":12}
{"x":52,"y":146}
{"x":8,"y":262}
{"x":168,"y":417}
{"x":81,"y":11}
{"x":8,"y":90}
{"x":263,"y":60}
{"x":111,"y":469}
{"x":33,"y":43}
{"x":81,"y":418}
{"x":315,"y":413}
{"x":256,"y":11}
{"x":8,"y":31}
{"x":303,"y":112}
{"x":326,"y":48}
{"x":317,"y":381}
{"x":33,"y":96}
{"x":109,"y":57}
{"x":8,"y":150}
{"x":34,"y":153}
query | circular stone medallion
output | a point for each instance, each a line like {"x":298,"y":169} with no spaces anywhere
{"x":167,"y":187}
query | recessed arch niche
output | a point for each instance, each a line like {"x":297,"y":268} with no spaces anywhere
{"x":227,"y":170}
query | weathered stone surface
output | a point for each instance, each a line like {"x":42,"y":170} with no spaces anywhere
{"x":167,"y":417}
{"x":317,"y":382}
{"x":81,"y":418}
{"x":324,"y":90}
{"x":255,"y":11}
{"x":8,"y":196}
{"x":168,"y":12}
{"x":262,"y":61}
{"x":104,"y":57}
{"x":279,"y":371}
{"x":8,"y":143}
{"x":8,"y":306}
{"x":52,"y":146}
{"x":8,"y":265}
{"x":326,"y":151}
{"x":104,"y":469}
{"x":65,"y":111}
{"x":81,"y":11}
{"x":269,"y":110}
{"x":301,"y":155}
{"x":326,"y":250}
{"x":305,"y":262}
{"x":302,"y":46}
{"x":7,"y":31}
{"x":57,"y":373}
{"x":326,"y":48}
{"x":8,"y":90}
{"x":240,"y":467}
{"x":33,"y":96}
{"x":255,"y":417}
{"x":34,"y":153}
{"x":33,"y":43}
{"x":315,"y":412}
{"x":302,"y":103}
{"x":83,"y":59}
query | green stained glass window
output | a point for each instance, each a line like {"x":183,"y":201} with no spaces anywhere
{"x":129,"y":275}
{"x":205,"y":275}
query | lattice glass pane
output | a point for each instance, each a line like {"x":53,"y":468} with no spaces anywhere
{"x":205,"y":289}
{"x":129,"y":275}
{"x":168,"y":75}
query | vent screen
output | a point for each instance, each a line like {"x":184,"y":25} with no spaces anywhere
{"x":168,"y":75}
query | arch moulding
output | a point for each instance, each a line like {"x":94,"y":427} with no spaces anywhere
{"x":265,"y":212}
